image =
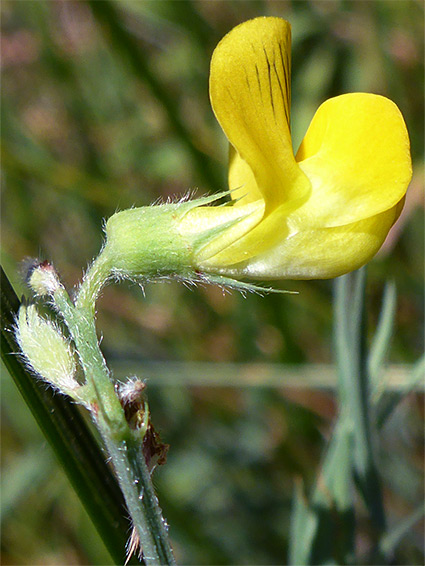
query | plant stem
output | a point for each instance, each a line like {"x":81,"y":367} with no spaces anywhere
{"x":95,"y":278}
{"x":134,"y":478}
{"x":82,"y":328}
{"x":351,"y":357}
{"x":124,"y":446}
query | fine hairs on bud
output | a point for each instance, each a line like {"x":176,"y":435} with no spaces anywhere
{"x":46,"y":350}
{"x":41,"y":276}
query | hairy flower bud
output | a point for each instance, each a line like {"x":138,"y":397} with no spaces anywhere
{"x":46,"y":350}
{"x":42,"y":278}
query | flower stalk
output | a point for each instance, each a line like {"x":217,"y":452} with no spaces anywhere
{"x":124,"y":440}
{"x":124,"y":447}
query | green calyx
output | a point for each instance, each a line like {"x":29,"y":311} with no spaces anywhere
{"x":149,"y":242}
{"x":163,"y":241}
{"x":145,"y":242}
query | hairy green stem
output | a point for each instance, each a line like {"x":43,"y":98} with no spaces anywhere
{"x":72,"y":441}
{"x":82,"y":328}
{"x":95,"y":278}
{"x":124,"y":447}
{"x":134,"y":478}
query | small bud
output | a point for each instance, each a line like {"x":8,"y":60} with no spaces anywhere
{"x":47,"y":351}
{"x":42,"y":278}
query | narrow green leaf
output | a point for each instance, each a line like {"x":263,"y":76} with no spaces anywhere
{"x":392,"y":539}
{"x":388,"y":403}
{"x":334,"y":487}
{"x":351,"y":359}
{"x":382,"y":340}
{"x":70,"y":438}
{"x":349,"y":322}
{"x":342,"y":338}
{"x":333,"y":500}
{"x":323,"y":530}
{"x":304,"y":524}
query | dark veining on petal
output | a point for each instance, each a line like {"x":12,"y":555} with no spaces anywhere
{"x":259,"y":83}
{"x":286,"y":73}
{"x":247,"y":80}
{"x":281,"y":90}
{"x":229,"y":92}
{"x":270,"y":84}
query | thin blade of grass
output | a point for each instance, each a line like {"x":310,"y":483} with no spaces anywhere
{"x":322,"y":530}
{"x":389,"y":402}
{"x":333,"y":500}
{"x":351,"y":359}
{"x":304,"y":524}
{"x":382,"y":339}
{"x":111,"y":22}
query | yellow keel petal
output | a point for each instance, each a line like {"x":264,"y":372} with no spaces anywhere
{"x":318,"y":253}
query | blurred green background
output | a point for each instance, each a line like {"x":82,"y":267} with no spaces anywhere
{"x":105,"y":106}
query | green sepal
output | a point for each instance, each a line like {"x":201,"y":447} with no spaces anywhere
{"x":234,"y":284}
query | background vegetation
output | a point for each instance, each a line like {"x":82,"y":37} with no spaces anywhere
{"x":104,"y":106}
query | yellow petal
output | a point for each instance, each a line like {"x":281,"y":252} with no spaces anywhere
{"x":242,"y":183}
{"x":240,"y":220}
{"x":250,"y":95}
{"x":318,"y":253}
{"x":264,"y":236}
{"x":356,"y":154}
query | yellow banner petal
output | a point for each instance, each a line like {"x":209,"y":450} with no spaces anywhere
{"x":356,"y":154}
{"x":250,"y":95}
{"x":242,"y":183}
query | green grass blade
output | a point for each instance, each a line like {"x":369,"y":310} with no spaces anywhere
{"x":70,"y":438}
{"x":382,"y":338}
{"x":351,"y":359}
{"x":333,"y":500}
{"x":335,"y":486}
{"x":392,"y":538}
{"x":111,"y":22}
{"x":389,"y":402}
{"x":304,"y":524}
{"x":323,"y":530}
{"x":347,"y":335}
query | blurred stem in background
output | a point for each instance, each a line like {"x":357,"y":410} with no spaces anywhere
{"x":325,"y":528}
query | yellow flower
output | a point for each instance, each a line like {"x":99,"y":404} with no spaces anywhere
{"x":316,"y":215}
{"x":321,"y":213}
